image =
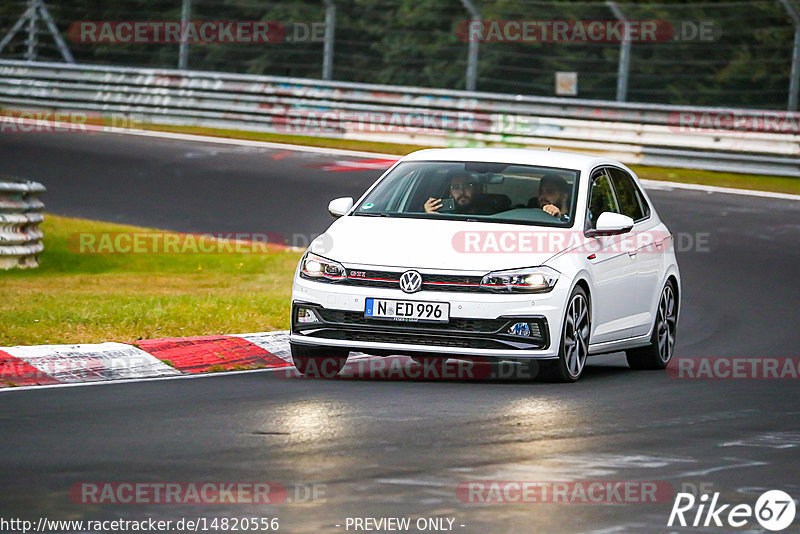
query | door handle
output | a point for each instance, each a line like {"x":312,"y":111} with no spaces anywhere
{"x":633,"y":254}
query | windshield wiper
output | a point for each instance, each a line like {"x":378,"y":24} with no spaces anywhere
{"x":371,"y":214}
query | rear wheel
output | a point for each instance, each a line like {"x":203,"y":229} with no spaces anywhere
{"x":574,"y":340}
{"x":319,"y":362}
{"x":658,"y":353}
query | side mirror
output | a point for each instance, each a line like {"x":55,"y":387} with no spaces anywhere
{"x":609,"y":223}
{"x":340,"y":206}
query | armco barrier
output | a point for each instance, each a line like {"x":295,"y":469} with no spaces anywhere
{"x":757,"y":141}
{"x":20,"y":215}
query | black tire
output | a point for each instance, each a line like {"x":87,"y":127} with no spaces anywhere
{"x":573,"y":348}
{"x":318,"y":362}
{"x":659,"y":352}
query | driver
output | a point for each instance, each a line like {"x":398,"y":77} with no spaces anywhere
{"x":465,"y":192}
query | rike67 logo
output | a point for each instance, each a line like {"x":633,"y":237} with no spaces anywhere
{"x":774,"y":510}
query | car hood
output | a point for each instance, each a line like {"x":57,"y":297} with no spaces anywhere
{"x":438,"y":244}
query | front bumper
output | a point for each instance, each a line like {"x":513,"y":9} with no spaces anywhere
{"x":478,"y":323}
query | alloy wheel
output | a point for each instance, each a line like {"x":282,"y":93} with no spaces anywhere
{"x":576,"y":335}
{"x":667,"y":322}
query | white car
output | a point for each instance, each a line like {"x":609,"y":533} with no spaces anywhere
{"x":506,"y":254}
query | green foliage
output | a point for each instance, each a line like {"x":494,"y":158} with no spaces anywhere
{"x":415,"y":42}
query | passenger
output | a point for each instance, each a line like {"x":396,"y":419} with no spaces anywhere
{"x":553,"y":196}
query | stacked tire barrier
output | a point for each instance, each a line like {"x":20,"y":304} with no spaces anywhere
{"x":20,"y":215}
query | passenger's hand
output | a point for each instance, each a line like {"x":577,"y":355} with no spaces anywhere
{"x":433,"y":205}
{"x":552,"y":209}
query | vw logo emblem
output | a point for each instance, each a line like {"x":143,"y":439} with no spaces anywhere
{"x":411,"y":281}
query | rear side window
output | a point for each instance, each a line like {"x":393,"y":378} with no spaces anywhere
{"x":631,"y":201}
{"x":601,"y":197}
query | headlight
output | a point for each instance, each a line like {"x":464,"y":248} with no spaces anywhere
{"x":531,"y":280}
{"x":316,"y":267}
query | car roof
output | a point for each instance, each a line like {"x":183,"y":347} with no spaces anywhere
{"x":521,"y":156}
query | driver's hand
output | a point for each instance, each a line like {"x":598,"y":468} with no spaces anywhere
{"x":433,"y":205}
{"x":552,"y":210}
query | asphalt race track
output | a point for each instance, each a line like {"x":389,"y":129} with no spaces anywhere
{"x":384,"y":448}
{"x":176,"y":185}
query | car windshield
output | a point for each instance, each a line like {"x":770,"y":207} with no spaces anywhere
{"x":496,"y":192}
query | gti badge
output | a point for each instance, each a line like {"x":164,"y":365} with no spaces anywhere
{"x":411,"y":281}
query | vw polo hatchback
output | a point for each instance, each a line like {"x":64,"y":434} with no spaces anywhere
{"x":505,"y":254}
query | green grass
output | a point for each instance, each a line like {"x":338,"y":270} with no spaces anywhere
{"x":305,"y":140}
{"x":757,"y":182}
{"x":88,"y":298}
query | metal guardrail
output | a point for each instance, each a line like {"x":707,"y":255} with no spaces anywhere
{"x":646,"y":134}
{"x":20,"y":215}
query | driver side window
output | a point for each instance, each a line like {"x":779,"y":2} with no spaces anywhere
{"x":601,"y":197}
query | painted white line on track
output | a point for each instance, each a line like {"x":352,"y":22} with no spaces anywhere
{"x":135,"y":380}
{"x":277,"y":344}
{"x":71,"y":363}
{"x":668,"y":186}
{"x":79,"y":363}
{"x":259,"y":144}
{"x":188,"y":376}
{"x":650,"y":184}
{"x":92,"y":128}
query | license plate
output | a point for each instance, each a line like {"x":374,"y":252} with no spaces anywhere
{"x":411,"y":311}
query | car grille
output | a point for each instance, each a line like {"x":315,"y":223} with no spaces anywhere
{"x":447,"y":282}
{"x":430,"y":282}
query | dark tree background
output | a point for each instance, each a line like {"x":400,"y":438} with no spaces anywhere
{"x":415,"y":42}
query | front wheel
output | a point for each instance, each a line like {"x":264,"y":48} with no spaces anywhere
{"x":318,"y":362}
{"x":658,"y":353}
{"x":574,"y":339}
